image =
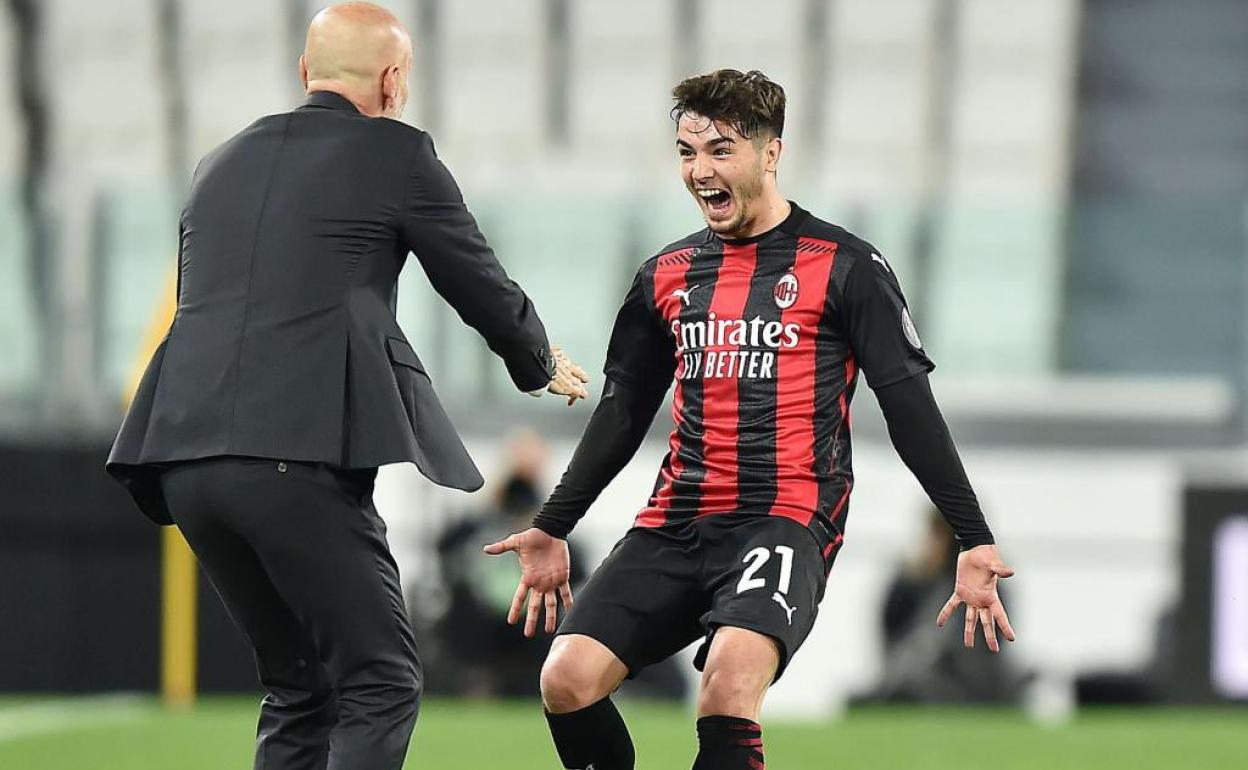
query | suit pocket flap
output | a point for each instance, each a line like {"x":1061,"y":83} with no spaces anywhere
{"x":401,"y":353}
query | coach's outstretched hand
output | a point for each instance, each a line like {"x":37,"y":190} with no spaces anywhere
{"x":545,"y":571}
{"x":569,"y":379}
{"x":976,"y":587}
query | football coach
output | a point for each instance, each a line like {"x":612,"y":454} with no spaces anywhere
{"x":285,"y":381}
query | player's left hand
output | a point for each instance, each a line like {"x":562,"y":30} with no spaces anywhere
{"x":545,"y":571}
{"x":976,"y":587}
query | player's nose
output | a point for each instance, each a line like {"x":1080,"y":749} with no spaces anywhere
{"x":701,"y":171}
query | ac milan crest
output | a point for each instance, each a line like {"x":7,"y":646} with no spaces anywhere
{"x":786,"y":291}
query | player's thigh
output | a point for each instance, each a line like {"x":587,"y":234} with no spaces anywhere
{"x":285,"y":651}
{"x":768,"y":576}
{"x":645,"y":601}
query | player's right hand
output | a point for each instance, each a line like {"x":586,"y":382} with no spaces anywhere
{"x":569,"y":380}
{"x":545,"y":572}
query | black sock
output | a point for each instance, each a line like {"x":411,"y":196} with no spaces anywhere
{"x":594,"y":736}
{"x":729,"y":743}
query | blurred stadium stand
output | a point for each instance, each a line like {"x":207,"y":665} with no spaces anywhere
{"x":955,"y":135}
{"x":19,"y":337}
{"x":1061,"y":185}
{"x":1157,"y":243}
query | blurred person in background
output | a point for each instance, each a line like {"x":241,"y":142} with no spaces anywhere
{"x":475,"y":654}
{"x":763,"y":319}
{"x":922,"y":665}
{"x":285,"y":381}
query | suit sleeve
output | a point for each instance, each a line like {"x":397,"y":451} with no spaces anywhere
{"x":437,"y":227}
{"x":881,"y":333}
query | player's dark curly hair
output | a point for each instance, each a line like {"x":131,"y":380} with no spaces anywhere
{"x":747,"y":101}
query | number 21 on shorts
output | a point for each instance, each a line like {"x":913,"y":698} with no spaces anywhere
{"x":756,"y":559}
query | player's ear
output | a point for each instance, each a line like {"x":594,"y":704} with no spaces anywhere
{"x":771,"y":153}
{"x":303,"y":73}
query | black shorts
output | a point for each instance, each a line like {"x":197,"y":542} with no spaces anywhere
{"x":664,"y":588}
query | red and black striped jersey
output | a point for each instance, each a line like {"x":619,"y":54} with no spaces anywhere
{"x":764,"y":338}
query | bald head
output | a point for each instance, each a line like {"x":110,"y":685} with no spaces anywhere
{"x":361,"y":51}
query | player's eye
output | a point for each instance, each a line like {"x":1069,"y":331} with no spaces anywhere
{"x":722,"y":151}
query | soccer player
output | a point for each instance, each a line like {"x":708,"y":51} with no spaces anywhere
{"x":764,"y":320}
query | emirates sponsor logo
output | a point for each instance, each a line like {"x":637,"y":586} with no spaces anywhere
{"x":752,"y":346}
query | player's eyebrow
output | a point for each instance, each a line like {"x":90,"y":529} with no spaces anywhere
{"x":712,"y":143}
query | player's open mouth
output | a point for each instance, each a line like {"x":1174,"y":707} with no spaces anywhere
{"x":716,"y":199}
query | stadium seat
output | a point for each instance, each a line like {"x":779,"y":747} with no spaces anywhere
{"x":18,"y":338}
{"x":107,"y":131}
{"x":570,"y":265}
{"x":138,"y":243}
{"x":240,"y":61}
{"x":998,"y":272}
{"x":11,"y":133}
{"x":493,"y":88}
{"x":877,"y":97}
{"x":18,"y":333}
{"x":623,"y":67}
{"x":664,"y":215}
{"x":878,"y":104}
{"x":108,"y":107}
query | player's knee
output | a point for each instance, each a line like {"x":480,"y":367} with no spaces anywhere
{"x":730,"y":692}
{"x":570,"y":683}
{"x":567,"y":687}
{"x":738,"y":671}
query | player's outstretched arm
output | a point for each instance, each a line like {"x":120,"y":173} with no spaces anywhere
{"x":615,"y":431}
{"x":923,"y":442}
{"x":889,"y":352}
{"x":976,"y":587}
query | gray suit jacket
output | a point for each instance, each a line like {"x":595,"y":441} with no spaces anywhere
{"x":285,"y":343}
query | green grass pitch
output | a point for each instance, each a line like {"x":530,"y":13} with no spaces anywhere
{"x":136,"y":734}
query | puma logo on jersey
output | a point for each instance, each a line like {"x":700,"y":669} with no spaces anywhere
{"x":683,"y":294}
{"x":778,"y":598}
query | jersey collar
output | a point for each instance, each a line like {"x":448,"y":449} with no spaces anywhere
{"x":790,"y":225}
